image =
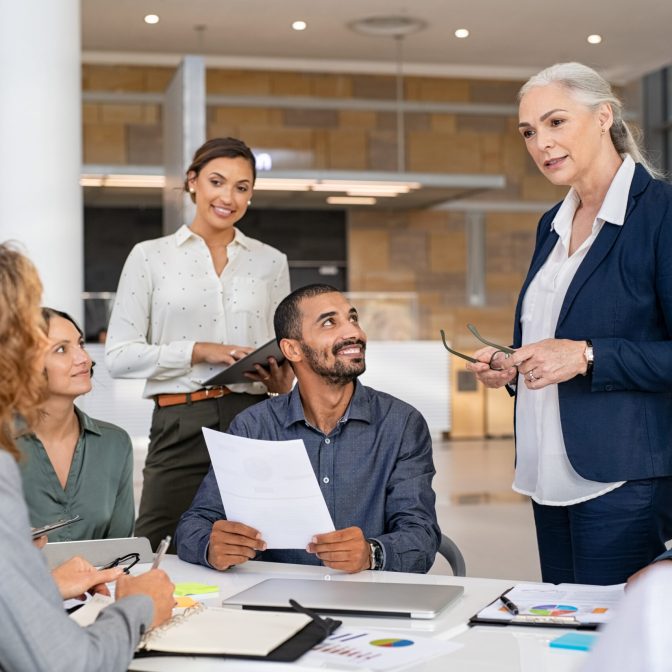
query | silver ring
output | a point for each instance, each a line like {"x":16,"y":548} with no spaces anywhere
{"x":531,"y":377}
{"x":232,"y":353}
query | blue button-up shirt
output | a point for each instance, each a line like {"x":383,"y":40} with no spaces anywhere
{"x":374,"y":468}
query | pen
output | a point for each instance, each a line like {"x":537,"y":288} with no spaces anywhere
{"x":510,"y":606}
{"x":161,"y":551}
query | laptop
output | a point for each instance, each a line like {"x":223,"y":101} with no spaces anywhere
{"x":236,"y":372}
{"x":409,"y":600}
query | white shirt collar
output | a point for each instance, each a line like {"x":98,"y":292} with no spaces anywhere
{"x":613,"y":207}
{"x":184,"y":233}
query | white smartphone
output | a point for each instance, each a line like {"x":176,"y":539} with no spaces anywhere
{"x":45,"y":529}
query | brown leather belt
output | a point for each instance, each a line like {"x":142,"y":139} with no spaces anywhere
{"x":191,"y":397}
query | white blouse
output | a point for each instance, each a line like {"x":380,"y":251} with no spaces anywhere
{"x":543,"y":470}
{"x":170,"y":298}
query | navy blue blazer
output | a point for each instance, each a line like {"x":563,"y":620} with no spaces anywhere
{"x":617,"y":422}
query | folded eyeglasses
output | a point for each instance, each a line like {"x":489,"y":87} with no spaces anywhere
{"x":128,"y":560}
{"x":502,"y":352}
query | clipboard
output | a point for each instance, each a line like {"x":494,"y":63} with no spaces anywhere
{"x":234,"y":374}
{"x":560,"y":615}
{"x":536,"y":621}
{"x":290,"y":650}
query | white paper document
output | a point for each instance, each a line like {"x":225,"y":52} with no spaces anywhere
{"x":270,"y":486}
{"x":583,"y":603}
{"x":352,"y":648}
{"x":87,"y":614}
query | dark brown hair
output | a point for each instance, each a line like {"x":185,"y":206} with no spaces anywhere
{"x":48,"y":313}
{"x":287,"y":318}
{"x":229,"y":148}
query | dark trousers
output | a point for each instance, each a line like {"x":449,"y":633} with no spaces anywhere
{"x":605,"y":540}
{"x":177,"y":460}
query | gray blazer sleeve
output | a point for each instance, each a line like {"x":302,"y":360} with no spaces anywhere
{"x":36,"y":632}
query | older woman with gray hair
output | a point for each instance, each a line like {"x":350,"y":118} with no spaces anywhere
{"x":592,"y":370}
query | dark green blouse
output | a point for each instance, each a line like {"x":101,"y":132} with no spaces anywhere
{"x":99,"y":486}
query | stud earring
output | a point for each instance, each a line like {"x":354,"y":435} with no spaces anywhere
{"x":249,"y":202}
{"x":192,"y":191}
{"x":604,"y":130}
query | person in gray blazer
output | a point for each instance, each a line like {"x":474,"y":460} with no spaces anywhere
{"x":36,"y":632}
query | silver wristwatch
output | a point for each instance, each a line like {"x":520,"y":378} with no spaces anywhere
{"x":376,"y":557}
{"x":590,"y":357}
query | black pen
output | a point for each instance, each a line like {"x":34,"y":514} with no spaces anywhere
{"x":510,"y":606}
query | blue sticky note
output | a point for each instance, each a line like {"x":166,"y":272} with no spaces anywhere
{"x":577,"y":641}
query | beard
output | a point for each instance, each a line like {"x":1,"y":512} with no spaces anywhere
{"x":339,"y":373}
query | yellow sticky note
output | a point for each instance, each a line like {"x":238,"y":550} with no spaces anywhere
{"x":184,"y":589}
{"x":184,"y":602}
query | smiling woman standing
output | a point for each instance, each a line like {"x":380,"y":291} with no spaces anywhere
{"x":73,"y":464}
{"x":187,"y":304}
{"x":593,"y":332}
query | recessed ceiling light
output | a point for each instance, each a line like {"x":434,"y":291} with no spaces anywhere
{"x":152,"y":18}
{"x":461,"y":33}
{"x":299,"y":25}
{"x":594,"y":39}
{"x":351,"y":200}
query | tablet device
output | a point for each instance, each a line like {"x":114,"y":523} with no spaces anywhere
{"x":45,"y":529}
{"x":410,"y":600}
{"x":98,"y":552}
{"x":235,"y":373}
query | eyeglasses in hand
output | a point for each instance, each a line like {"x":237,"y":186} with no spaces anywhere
{"x":498,"y":359}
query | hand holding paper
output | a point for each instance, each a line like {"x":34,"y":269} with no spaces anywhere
{"x":233,"y":543}
{"x":346,"y":549}
{"x":270,"y":488}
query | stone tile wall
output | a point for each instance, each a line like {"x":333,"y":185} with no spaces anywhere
{"x":388,"y":251}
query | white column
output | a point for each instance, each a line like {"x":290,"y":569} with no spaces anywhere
{"x":183,"y":134}
{"x":475,"y":223}
{"x":40,"y":142}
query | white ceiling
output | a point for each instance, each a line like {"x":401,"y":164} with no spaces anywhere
{"x":509,"y":38}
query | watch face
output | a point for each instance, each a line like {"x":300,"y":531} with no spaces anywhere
{"x":377,"y":556}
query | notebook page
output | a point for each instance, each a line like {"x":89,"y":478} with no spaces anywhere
{"x":202,"y":630}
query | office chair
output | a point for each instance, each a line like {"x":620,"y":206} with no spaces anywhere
{"x":451,"y":552}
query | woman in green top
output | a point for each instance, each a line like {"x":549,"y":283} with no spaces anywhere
{"x":73,"y":464}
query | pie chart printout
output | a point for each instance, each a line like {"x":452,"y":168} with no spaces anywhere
{"x":391,"y":642}
{"x":553,"y":610}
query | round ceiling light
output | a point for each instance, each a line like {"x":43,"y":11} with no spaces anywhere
{"x":594,"y":39}
{"x":152,"y":18}
{"x":387,"y":26}
{"x":461,"y":33}
{"x":299,"y":25}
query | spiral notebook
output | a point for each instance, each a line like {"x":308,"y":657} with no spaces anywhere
{"x":207,"y":631}
{"x":210,"y":631}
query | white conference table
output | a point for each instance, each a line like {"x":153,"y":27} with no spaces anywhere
{"x":485,"y":648}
